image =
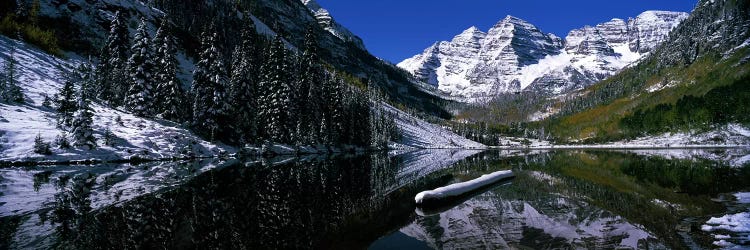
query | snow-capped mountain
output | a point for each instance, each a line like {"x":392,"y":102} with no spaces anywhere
{"x":329,"y":24}
{"x":515,"y":55}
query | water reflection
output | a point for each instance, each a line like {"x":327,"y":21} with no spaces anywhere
{"x":588,"y":199}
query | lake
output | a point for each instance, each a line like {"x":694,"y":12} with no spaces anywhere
{"x":558,"y":199}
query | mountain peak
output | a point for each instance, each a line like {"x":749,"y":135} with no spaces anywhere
{"x":472,"y":29}
{"x":472,"y":33}
{"x":327,"y":22}
{"x":515,"y":55}
{"x":513,"y":20}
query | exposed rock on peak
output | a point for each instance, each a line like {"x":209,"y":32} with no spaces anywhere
{"x":651,"y":28}
{"x":329,"y":24}
{"x":514,"y":55}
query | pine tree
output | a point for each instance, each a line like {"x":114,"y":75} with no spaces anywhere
{"x":85,"y":75}
{"x":112,"y":73}
{"x":81,"y":128}
{"x":109,"y":137}
{"x":170,"y":93}
{"x":277,"y":97}
{"x":332,"y":109}
{"x":41,"y":146}
{"x":9,"y":89}
{"x":47,"y":102}
{"x":209,"y":87}
{"x":140,"y":66}
{"x":62,"y":141}
{"x":161,"y":68}
{"x":243,"y":90}
{"x":34,"y":12}
{"x":22,"y":11}
{"x":66,"y":105}
{"x":308,"y":90}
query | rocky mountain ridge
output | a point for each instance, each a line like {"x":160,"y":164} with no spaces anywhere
{"x":329,"y":24}
{"x":515,"y":55}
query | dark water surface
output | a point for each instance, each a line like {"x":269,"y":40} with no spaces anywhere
{"x":559,"y":199}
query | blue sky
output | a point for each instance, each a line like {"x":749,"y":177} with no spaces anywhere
{"x":398,"y":29}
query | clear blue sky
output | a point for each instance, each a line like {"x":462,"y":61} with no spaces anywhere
{"x":398,"y":29}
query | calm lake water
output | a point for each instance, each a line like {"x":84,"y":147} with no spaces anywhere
{"x":558,"y":199}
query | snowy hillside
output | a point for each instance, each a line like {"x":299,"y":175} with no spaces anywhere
{"x":417,"y":133}
{"x":515,"y":55}
{"x":42,"y":74}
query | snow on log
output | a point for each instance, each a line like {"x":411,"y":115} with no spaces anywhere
{"x":458,"y":189}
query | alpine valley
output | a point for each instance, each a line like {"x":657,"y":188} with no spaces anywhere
{"x":268,"y":124}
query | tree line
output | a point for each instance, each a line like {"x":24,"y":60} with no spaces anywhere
{"x":719,"y":106}
{"x":264,"y":92}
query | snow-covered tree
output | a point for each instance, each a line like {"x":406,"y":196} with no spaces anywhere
{"x":9,"y":89}
{"x":243,"y":90}
{"x":81,"y":127}
{"x":62,"y":141}
{"x":309,"y":90}
{"x":332,"y":109}
{"x":86,"y":78}
{"x":41,"y":146}
{"x":111,"y":73}
{"x":140,"y":65}
{"x":66,"y":104}
{"x":171,"y":94}
{"x":210,"y":106}
{"x":277,"y":97}
{"x":22,"y":10}
{"x":36,"y":7}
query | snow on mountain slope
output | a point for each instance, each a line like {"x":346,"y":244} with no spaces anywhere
{"x":514,"y":55}
{"x":42,"y":74}
{"x":418,"y":133}
{"x":329,"y":24}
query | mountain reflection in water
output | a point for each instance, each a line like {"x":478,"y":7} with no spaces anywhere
{"x":559,"y":199}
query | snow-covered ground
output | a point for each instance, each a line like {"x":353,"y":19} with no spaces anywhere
{"x":42,"y":74}
{"x":728,"y":136}
{"x":418,"y":133}
{"x":725,"y":136}
{"x":732,"y":230}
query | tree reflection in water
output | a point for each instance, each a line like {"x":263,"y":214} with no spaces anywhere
{"x":349,"y":202}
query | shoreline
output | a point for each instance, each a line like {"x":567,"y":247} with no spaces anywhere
{"x":29,"y":163}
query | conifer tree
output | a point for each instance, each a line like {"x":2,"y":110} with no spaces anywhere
{"x":331,"y":105}
{"x":9,"y":89}
{"x":112,"y":77}
{"x":277,"y":94}
{"x":309,"y":90}
{"x":66,"y":104}
{"x":209,"y":88}
{"x":85,"y":75}
{"x":41,"y":146}
{"x":160,"y":66}
{"x":170,"y":93}
{"x":243,"y":82}
{"x":81,"y":128}
{"x":140,"y":66}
